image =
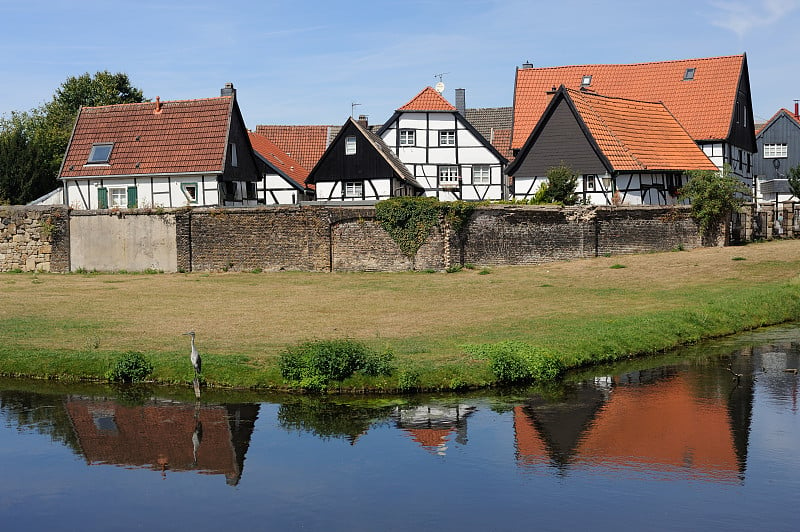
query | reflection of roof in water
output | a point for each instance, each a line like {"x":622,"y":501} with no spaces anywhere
{"x":165,"y":436}
{"x":665,"y":428}
{"x":432,"y":426}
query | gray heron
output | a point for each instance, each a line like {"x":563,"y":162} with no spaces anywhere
{"x":194,"y":356}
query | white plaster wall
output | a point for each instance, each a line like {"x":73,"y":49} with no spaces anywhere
{"x":125,"y":242}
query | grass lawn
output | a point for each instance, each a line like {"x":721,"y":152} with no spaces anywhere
{"x":586,"y":311}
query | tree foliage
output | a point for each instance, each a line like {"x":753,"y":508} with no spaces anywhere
{"x":32,"y":144}
{"x":561,"y":185}
{"x":794,"y":181}
{"x":713,"y":196}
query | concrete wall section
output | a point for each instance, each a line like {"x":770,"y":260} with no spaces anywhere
{"x":133,"y":241}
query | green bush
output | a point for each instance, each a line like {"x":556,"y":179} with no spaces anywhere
{"x":517,"y":362}
{"x":313,"y":365}
{"x":130,"y":367}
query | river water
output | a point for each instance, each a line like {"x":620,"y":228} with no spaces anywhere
{"x":705,"y":438}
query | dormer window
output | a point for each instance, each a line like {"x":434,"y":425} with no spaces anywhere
{"x":586,"y":81}
{"x":688,"y":75}
{"x":100,"y":154}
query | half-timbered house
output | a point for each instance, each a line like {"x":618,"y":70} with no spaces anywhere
{"x":161,"y":154}
{"x":358,"y":166}
{"x":624,"y":150}
{"x":778,"y":143}
{"x":709,"y":97}
{"x":283,"y":179}
{"x":444,"y":153}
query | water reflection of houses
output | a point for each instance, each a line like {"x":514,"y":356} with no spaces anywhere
{"x":433,"y":426}
{"x":686,"y":426}
{"x":165,"y":436}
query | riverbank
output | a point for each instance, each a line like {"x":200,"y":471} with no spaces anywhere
{"x":75,"y":326}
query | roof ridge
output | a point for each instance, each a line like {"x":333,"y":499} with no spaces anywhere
{"x":428,"y":92}
{"x":131,"y":104}
{"x":668,"y":61}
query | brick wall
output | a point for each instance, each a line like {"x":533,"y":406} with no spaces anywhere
{"x":320,"y":238}
{"x":34,"y":238}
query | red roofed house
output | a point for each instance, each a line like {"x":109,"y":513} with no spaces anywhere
{"x":632,"y":149}
{"x":779,"y":151}
{"x":283,"y":178}
{"x":710,"y":98}
{"x":443,"y":151}
{"x":304,"y":144}
{"x":167,"y":154}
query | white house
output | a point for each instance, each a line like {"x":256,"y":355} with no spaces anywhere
{"x":444,"y":153}
{"x":161,"y":154}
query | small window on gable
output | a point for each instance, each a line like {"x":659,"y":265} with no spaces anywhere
{"x":234,"y":156}
{"x":447,"y":138}
{"x":688,"y":75}
{"x":101,"y":153}
{"x":353,"y":189}
{"x":349,"y":145}
{"x":407,"y":137}
{"x":586,"y":81}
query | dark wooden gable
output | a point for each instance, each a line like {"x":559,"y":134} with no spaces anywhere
{"x":366,"y":163}
{"x":247,"y":168}
{"x":559,"y":137}
{"x":743,"y":132}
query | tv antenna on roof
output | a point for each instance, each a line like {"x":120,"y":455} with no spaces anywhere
{"x":353,"y":108}
{"x":439,"y":87}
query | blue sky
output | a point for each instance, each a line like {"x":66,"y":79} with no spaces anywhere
{"x":307,"y":62}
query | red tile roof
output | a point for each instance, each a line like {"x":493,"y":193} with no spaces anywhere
{"x":304,"y":144}
{"x":278,"y":158}
{"x":636,"y":135}
{"x":184,"y":136}
{"x":703,"y":105}
{"x":428,"y":100}
{"x":501,"y":140}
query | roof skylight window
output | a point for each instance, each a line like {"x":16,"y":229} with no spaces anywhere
{"x":689,"y":74}
{"x":586,"y":81}
{"x":101,"y":153}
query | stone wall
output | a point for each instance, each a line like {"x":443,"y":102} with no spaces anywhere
{"x":34,"y":238}
{"x":322,"y":238}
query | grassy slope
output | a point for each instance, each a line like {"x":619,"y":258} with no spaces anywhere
{"x":585,"y":311}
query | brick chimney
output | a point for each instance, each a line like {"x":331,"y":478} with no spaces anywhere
{"x":227,"y":90}
{"x":797,"y":109}
{"x":461,"y":101}
{"x":363,"y":121}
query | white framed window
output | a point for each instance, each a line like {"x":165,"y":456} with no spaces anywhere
{"x":408,"y":137}
{"x":234,"y":155}
{"x":448,"y":176}
{"x":447,"y":137}
{"x":100,"y":154}
{"x":772,"y":151}
{"x":481,"y":174}
{"x":586,"y":80}
{"x":190,"y":191}
{"x":350,"y":145}
{"x":353,"y":189}
{"x":118,"y":197}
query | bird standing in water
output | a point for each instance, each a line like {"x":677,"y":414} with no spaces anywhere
{"x":194,"y":356}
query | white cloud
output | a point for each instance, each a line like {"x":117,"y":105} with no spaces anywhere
{"x":742,"y":17}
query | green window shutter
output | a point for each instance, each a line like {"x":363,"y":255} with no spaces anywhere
{"x":102,"y":198}
{"x":132,"y":198}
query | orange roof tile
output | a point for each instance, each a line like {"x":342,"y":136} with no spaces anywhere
{"x":304,"y":144}
{"x":501,"y":140}
{"x":704,"y":105}
{"x":184,"y":136}
{"x":636,"y":135}
{"x":428,"y":100}
{"x":279,"y":159}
